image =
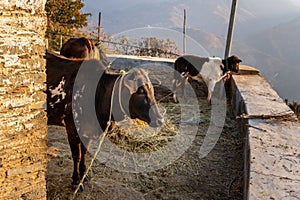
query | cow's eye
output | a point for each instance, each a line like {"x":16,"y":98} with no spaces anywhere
{"x":141,"y":90}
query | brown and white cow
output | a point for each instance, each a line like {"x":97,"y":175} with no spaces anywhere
{"x":73,"y":97}
{"x":210,"y":69}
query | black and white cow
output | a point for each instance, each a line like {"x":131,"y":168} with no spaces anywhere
{"x":209,"y":69}
{"x":133,"y":96}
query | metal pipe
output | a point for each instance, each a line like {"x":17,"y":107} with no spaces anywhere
{"x":184,"y":32}
{"x":230,"y":28}
{"x":99,"y":27}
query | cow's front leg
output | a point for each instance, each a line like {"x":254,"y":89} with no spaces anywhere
{"x":185,"y":82}
{"x":174,"y":88}
{"x":210,"y":86}
{"x":176,"y":83}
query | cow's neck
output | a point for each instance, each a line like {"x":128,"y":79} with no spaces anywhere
{"x":120,"y":104}
{"x":109,"y":84}
{"x":224,"y":68}
{"x":103,"y":97}
{"x":118,"y":109}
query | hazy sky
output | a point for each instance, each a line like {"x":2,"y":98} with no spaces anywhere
{"x":296,"y":2}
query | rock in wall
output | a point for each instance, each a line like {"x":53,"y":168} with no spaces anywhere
{"x":23,"y":124}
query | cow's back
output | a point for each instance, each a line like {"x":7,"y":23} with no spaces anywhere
{"x":77,"y":48}
{"x":61,"y":75}
{"x":189,"y":63}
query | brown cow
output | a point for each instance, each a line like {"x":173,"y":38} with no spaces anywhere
{"x":74,"y":97}
{"x":83,"y":48}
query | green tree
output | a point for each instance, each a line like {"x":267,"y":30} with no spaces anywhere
{"x":64,"y":17}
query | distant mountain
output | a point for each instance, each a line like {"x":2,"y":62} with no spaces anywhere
{"x":267,"y":33}
{"x":118,"y":16}
{"x":276,"y":53}
{"x":281,"y":41}
{"x":211,"y":16}
{"x":213,"y":44}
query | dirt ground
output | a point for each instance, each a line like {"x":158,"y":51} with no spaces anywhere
{"x":216,"y":176}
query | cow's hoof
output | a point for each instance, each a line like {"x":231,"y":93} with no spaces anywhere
{"x":86,"y":179}
{"x":80,"y":189}
{"x":76,"y":185}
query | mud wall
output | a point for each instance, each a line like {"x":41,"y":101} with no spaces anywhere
{"x":23,"y":128}
{"x":271,"y":135}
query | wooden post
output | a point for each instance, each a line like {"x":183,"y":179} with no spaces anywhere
{"x":60,"y":38}
{"x":230,"y":28}
{"x":184,"y":32}
{"x":99,"y":27}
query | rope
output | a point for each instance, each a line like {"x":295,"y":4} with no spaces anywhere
{"x":100,"y":143}
{"x":164,"y":97}
{"x":226,"y":74}
{"x":120,"y":100}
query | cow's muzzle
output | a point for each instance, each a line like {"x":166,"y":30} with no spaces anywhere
{"x":156,"y":119}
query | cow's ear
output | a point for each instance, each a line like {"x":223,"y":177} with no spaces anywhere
{"x":239,"y":60}
{"x":136,"y":78}
{"x":155,"y":81}
{"x":131,"y":86}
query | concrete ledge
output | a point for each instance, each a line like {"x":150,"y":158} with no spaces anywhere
{"x":274,"y":161}
{"x":145,"y":58}
{"x":247,"y":70}
{"x":271,"y":135}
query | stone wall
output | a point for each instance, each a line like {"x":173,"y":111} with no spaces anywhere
{"x":23,"y":128}
{"x":271,"y":135}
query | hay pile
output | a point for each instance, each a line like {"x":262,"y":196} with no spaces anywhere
{"x":137,"y":136}
{"x":134,"y":135}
